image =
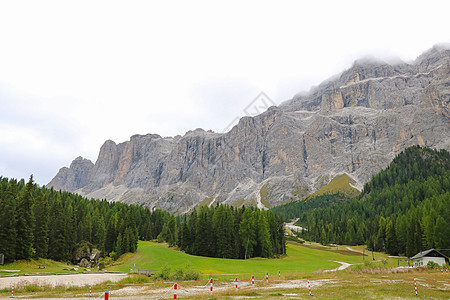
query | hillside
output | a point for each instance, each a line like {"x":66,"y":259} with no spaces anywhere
{"x":354,"y":124}
{"x":402,"y":210}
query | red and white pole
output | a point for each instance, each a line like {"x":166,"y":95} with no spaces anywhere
{"x":90,"y":291}
{"x":211,"y":285}
{"x":235,"y":280}
{"x":175,"y":291}
{"x":12,"y":291}
{"x":253,"y":281}
{"x":279,"y":275}
{"x":106,"y":294}
{"x":446,"y":269}
{"x":267,"y":277}
{"x":309,"y":287}
{"x":415,"y":286}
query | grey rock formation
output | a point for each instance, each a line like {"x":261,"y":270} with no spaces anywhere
{"x":355,"y":124}
{"x":85,"y":255}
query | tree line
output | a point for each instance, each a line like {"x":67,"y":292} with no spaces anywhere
{"x":39,"y":222}
{"x":227,"y":232}
{"x":404,"y":209}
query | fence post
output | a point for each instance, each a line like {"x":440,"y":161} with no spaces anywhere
{"x":12,"y":291}
{"x":211,"y":283}
{"x":235,"y":280}
{"x":309,"y":287}
{"x":175,"y":291}
{"x":415,"y":286}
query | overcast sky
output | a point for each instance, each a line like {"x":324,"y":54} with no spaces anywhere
{"x":76,"y":73}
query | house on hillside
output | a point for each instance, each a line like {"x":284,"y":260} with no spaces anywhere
{"x":423,"y":257}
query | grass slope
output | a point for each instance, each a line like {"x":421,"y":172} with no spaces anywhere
{"x":339,"y":184}
{"x":301,"y":259}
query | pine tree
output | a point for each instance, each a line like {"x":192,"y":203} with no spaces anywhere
{"x":203,"y":229}
{"x":391,"y":238}
{"x":247,"y":232}
{"x":264,"y":236}
{"x":41,"y":225}
{"x":119,"y":247}
{"x":25,"y":222}
{"x":57,"y":235}
{"x":8,"y":219}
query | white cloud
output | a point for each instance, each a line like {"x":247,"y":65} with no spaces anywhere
{"x":81,"y":72}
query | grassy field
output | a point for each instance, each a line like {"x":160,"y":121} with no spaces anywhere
{"x":300,"y":260}
{"x":366,"y":279}
{"x":21,"y":267}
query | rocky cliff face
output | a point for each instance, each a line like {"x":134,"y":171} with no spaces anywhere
{"x":353,"y":124}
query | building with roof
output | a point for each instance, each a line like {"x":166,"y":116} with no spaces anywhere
{"x":423,"y":257}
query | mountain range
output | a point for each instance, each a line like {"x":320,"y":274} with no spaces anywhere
{"x":354,"y":123}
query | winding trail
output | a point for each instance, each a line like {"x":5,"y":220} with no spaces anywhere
{"x":343,"y":266}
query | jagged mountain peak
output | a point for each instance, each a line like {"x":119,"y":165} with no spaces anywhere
{"x":354,"y":124}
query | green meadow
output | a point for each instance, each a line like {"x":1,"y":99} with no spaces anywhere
{"x":300,"y":260}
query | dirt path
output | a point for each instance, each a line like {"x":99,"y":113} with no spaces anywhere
{"x":219,"y":286}
{"x":351,"y":249}
{"x":343,"y":266}
{"x":60,"y":280}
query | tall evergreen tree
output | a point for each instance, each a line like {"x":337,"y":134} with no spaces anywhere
{"x":8,"y":220}
{"x":25,"y":222}
{"x":41,"y":225}
{"x":248,"y":231}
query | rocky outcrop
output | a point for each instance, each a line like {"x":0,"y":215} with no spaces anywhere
{"x":85,"y":255}
{"x":353,"y":124}
{"x":74,"y":177}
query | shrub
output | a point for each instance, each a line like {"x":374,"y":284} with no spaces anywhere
{"x":432,"y":265}
{"x":101,"y":265}
{"x":178,"y":274}
{"x":135,"y":279}
{"x":164,"y":274}
{"x":191,"y":274}
{"x":31,"y":288}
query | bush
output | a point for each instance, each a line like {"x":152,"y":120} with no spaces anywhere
{"x":164,"y":274}
{"x":135,"y":279}
{"x":178,"y":274}
{"x":432,"y":265}
{"x":31,"y":288}
{"x":191,"y":274}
